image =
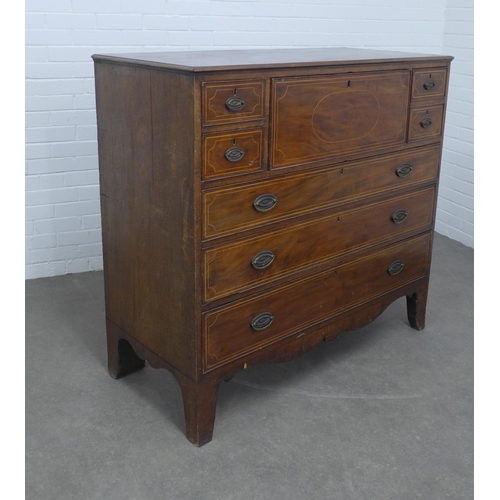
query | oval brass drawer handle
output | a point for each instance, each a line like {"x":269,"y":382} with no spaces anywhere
{"x":404,"y":170}
{"x":426,"y":122}
{"x":395,"y":268}
{"x":235,"y":103}
{"x":429,"y":84}
{"x":262,"y":321}
{"x":399,"y":216}
{"x":234,"y":154}
{"x":263,"y":259}
{"x":265,"y":202}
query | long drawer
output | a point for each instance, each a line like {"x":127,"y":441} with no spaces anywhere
{"x":239,"y":266}
{"x":232,"y":331}
{"x":233,"y":209}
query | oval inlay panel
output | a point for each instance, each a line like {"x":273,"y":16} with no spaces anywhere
{"x":346,"y":115}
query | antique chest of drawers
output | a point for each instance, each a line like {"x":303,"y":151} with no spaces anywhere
{"x":255,"y":203}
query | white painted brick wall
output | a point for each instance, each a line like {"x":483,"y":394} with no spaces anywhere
{"x":455,"y":211}
{"x":62,"y":196}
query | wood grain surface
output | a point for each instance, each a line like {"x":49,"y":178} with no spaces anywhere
{"x":228,"y":210}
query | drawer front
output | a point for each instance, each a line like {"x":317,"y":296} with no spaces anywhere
{"x":426,"y":123}
{"x":231,"y":154}
{"x":240,"y":266}
{"x":320,"y":117}
{"x":251,"y":324}
{"x":228,"y":102}
{"x":228,"y":210}
{"x":428,"y":83}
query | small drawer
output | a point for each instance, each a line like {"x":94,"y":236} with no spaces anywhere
{"x":426,"y":123}
{"x":237,"y":267}
{"x":248,"y":325}
{"x":232,"y":209}
{"x":228,"y":102}
{"x":232,"y":153}
{"x":430,"y":82}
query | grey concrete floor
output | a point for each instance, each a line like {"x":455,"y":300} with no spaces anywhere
{"x":383,"y":413}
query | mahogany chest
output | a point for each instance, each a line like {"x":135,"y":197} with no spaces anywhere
{"x":255,"y":203}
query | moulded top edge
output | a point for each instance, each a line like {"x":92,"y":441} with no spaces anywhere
{"x":216,"y":60}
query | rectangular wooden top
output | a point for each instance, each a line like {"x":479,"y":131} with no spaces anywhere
{"x":216,"y":60}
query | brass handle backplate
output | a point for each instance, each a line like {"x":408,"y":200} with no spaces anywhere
{"x":234,"y":154}
{"x":395,"y":268}
{"x":426,"y":122}
{"x":263,"y":259}
{"x":429,"y":84}
{"x":262,"y":321}
{"x":265,"y":202}
{"x":399,"y":216}
{"x":235,"y":103}
{"x":404,"y":170}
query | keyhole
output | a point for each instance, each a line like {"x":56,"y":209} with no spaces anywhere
{"x":341,"y":171}
{"x":348,"y":83}
{"x":234,"y":141}
{"x":335,"y":273}
{"x":235,"y":91}
{"x":338,"y":219}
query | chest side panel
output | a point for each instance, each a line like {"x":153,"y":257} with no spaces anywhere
{"x":146,"y":135}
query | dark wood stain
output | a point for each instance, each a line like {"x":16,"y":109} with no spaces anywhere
{"x":418,"y":127}
{"x":216,"y":95}
{"x":147,"y":202}
{"x":228,"y":332}
{"x":308,"y":58}
{"x":338,"y":137}
{"x":227,"y":268}
{"x":315,"y":117}
{"x":215,"y":147}
{"x":228,"y":210}
{"x":421,"y":78}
